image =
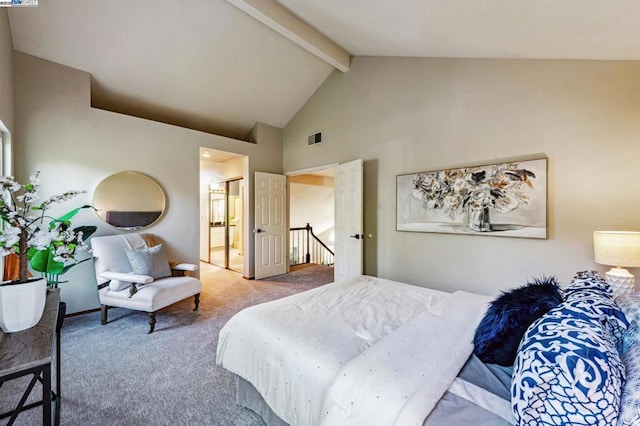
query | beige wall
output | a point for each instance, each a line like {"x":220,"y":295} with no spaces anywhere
{"x":233,"y":168}
{"x":404,"y":115}
{"x":76,"y":146}
{"x":6,"y":71}
{"x":312,"y":204}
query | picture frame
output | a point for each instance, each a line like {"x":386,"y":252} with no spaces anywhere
{"x":506,"y":199}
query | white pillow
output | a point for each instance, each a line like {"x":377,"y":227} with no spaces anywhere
{"x":116,"y":285}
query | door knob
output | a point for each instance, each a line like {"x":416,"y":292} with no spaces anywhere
{"x":257,"y":231}
{"x":356,"y":236}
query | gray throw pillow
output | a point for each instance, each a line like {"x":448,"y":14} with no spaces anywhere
{"x":150,"y":261}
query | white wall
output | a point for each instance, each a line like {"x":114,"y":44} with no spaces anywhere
{"x":404,"y":115}
{"x":212,"y":171}
{"x":6,"y":71}
{"x":312,"y":204}
{"x":76,"y":146}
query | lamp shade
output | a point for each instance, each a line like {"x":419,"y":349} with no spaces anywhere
{"x":617,"y":248}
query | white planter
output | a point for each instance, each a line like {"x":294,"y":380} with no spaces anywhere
{"x":22,"y":305}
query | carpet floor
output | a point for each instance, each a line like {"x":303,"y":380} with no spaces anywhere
{"x":118,"y":374}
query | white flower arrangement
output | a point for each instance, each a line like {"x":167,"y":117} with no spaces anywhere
{"x":47,"y":243}
{"x":500,"y":187}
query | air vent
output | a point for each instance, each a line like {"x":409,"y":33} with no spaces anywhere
{"x":314,"y":138}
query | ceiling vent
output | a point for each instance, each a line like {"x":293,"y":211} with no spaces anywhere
{"x":314,"y":138}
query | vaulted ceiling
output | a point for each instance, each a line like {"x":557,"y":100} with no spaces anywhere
{"x":212,"y":66}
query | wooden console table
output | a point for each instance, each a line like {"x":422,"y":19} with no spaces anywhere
{"x":30,"y":352}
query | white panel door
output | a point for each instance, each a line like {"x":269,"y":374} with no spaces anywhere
{"x":348,"y":220}
{"x":270,"y":225}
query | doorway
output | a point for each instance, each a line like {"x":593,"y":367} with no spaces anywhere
{"x":341,"y":186}
{"x":222,"y":209}
{"x":227,"y":226}
{"x":311,"y":218}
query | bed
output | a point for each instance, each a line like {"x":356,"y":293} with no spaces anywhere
{"x":363,"y":351}
{"x":373,"y":351}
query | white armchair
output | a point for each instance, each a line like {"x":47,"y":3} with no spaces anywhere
{"x":132,"y":272}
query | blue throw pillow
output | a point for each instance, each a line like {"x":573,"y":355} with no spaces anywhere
{"x":499,"y":333}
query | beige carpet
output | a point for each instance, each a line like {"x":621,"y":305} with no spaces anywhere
{"x":117,"y":374}
{"x":306,"y":274}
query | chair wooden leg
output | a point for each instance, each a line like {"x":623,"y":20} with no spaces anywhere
{"x":152,"y":321}
{"x":132,"y":290}
{"x":103,"y":316}
{"x":196,"y":300}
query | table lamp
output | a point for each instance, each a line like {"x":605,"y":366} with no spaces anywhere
{"x":618,"y":249}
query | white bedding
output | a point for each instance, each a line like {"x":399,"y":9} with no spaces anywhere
{"x":293,"y":350}
{"x":400,"y":379}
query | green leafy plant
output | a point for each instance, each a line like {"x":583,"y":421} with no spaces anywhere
{"x":48,"y":244}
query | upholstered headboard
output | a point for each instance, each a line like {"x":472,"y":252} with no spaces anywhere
{"x":132,"y":220}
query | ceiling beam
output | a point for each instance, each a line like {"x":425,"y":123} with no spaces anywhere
{"x":279,"y":19}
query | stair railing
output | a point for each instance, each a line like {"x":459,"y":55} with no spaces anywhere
{"x":306,"y":247}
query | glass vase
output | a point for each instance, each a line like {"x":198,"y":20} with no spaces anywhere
{"x":478,"y":218}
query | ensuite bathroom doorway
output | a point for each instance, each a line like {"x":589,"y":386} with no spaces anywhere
{"x":222,"y":209}
{"x":226,"y":225}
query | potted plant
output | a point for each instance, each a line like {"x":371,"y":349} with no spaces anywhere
{"x":48,"y":243}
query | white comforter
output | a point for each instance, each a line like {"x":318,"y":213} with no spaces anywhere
{"x":353,"y":352}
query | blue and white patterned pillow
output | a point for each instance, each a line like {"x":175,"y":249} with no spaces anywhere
{"x":588,"y":283}
{"x":605,"y":312}
{"x":568,"y":371}
{"x":593,"y":296}
{"x":630,"y":399}
{"x":629,"y":304}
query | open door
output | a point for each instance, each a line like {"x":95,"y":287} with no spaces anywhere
{"x":270,"y":225}
{"x":348,"y":220}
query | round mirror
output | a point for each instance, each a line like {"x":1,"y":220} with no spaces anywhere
{"x":129,"y":200}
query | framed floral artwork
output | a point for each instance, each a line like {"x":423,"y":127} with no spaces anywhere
{"x":505,"y":199}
